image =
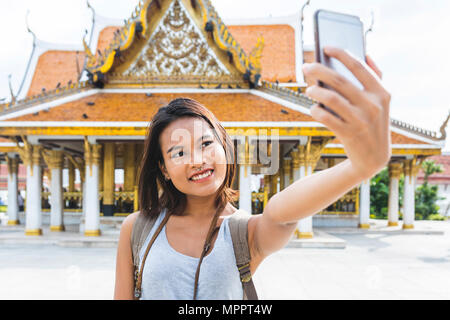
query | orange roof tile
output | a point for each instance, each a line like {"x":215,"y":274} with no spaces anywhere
{"x":139,"y":107}
{"x":105,"y":36}
{"x":278,"y":55}
{"x":55,"y":66}
{"x":278,"y":60}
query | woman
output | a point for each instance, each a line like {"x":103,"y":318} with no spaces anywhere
{"x":186,"y":142}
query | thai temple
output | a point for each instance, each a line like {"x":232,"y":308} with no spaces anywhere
{"x":83,"y":112}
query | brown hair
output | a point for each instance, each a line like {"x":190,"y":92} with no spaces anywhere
{"x":156,"y":193}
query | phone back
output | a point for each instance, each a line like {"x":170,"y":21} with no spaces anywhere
{"x":341,"y":31}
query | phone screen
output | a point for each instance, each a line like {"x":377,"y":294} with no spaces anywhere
{"x":340,"y":31}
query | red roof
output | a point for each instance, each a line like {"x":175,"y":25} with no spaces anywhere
{"x":438,"y":178}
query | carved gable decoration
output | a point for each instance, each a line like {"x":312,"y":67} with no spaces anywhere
{"x":174,"y":42}
{"x":177,"y":48}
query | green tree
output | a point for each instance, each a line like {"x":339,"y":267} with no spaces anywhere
{"x":426,"y":195}
{"x":379,"y":194}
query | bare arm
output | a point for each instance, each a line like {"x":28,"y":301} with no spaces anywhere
{"x":311,"y":194}
{"x":363,"y":130}
{"x":124,"y":286}
{"x":303,"y":198}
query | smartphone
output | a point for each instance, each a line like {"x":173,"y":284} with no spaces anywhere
{"x":342,"y":31}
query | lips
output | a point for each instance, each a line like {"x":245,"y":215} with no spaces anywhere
{"x":201,"y":172}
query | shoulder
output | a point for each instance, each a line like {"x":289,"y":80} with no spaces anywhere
{"x":128,"y":222}
{"x":127,"y":225}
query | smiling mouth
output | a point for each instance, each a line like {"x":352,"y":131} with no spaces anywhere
{"x":209,"y":174}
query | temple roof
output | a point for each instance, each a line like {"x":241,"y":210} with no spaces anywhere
{"x":227,"y":106}
{"x":202,"y":50}
{"x":56,"y":67}
{"x":438,"y":178}
{"x":171,"y":42}
{"x":141,"y":107}
{"x":278,"y":56}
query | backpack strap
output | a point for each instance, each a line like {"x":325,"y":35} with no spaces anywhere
{"x":141,"y":228}
{"x":238,"y":224}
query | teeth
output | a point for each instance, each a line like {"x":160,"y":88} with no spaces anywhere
{"x":201,"y":176}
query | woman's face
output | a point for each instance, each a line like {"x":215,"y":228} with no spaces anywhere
{"x":189,"y":146}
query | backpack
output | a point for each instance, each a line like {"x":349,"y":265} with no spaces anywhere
{"x":238,"y":222}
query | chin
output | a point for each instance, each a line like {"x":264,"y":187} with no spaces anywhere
{"x":201,"y":191}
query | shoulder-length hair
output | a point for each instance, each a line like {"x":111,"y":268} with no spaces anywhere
{"x":154,"y":192}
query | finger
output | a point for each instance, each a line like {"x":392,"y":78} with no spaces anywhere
{"x":326,"y":118}
{"x":374,"y":67}
{"x":358,"y":68}
{"x":319,"y":72}
{"x":334,"y":101}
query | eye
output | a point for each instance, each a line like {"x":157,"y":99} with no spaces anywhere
{"x":208,"y":142}
{"x":175,"y":154}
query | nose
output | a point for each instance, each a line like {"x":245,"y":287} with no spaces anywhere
{"x":197,"y":156}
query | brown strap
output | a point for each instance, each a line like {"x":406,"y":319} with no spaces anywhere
{"x":212,"y":230}
{"x":238,"y":223}
{"x":137,"y":289}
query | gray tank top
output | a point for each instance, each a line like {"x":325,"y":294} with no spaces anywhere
{"x":170,"y":275}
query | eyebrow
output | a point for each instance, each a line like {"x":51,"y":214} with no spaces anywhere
{"x":178,"y":147}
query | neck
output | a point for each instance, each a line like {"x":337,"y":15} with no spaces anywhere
{"x":200,"y":207}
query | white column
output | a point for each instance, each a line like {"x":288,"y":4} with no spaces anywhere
{"x":56,"y":201}
{"x":83,"y":195}
{"x":408,"y":197}
{"x":91,"y":192}
{"x":54,"y":160}
{"x":245,"y":192}
{"x":305,"y":229}
{"x":393,"y":201}
{"x":13,"y":205}
{"x":33,"y":219}
{"x":92,"y":211}
{"x":364,"y":205}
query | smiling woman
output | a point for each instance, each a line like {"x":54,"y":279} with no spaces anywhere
{"x":185,"y":182}
{"x":173,"y":162}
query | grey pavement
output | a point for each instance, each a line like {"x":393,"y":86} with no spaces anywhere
{"x":340,"y":263}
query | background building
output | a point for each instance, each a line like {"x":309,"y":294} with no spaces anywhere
{"x":85,"y":110}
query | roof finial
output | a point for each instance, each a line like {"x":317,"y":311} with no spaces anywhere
{"x":31,"y":56}
{"x":370,"y":28}
{"x":442,"y":129}
{"x":93,"y":21}
{"x":301,"y":25}
{"x":13,"y":97}
{"x":28,"y":27}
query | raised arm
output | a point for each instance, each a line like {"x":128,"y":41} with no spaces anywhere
{"x":364,"y":132}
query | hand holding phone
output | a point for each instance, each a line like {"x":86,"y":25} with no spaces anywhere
{"x":355,"y":105}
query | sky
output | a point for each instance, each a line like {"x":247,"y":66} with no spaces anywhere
{"x":409,"y":42}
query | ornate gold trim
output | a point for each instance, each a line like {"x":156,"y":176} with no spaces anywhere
{"x":363,"y":225}
{"x":57,"y":228}
{"x":13,"y":222}
{"x":92,"y":233}
{"x":395,"y":170}
{"x":53,"y":158}
{"x":147,"y":15}
{"x":392,"y":223}
{"x":304,"y":235}
{"x":33,"y":232}
{"x":408,"y":226}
